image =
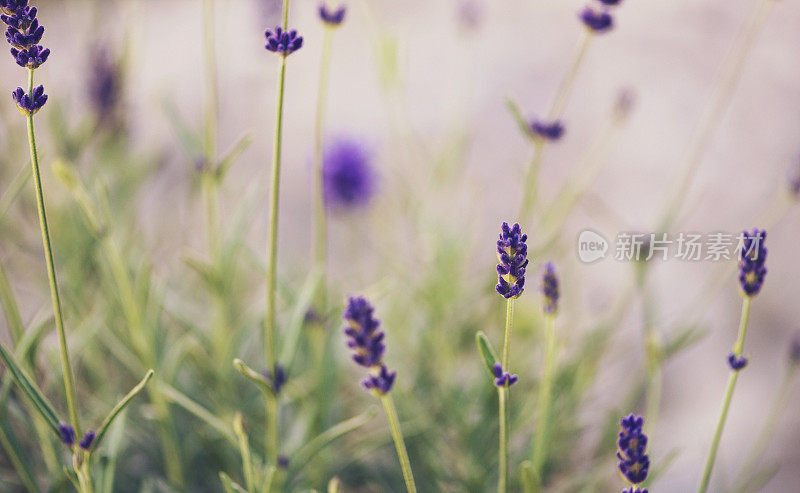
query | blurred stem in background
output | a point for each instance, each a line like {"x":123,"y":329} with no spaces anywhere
{"x":66,"y":367}
{"x":652,"y":347}
{"x":737,"y":352}
{"x":544,"y":404}
{"x":399,"y":442}
{"x":504,"y":395}
{"x":270,"y":341}
{"x":727,"y":80}
{"x":531,"y":183}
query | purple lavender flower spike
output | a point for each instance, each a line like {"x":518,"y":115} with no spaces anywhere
{"x":503,"y":378}
{"x":736,"y":362}
{"x":67,"y":434}
{"x":27,"y":104}
{"x":551,"y":131}
{"x":752,"y":262}
{"x":380,"y":383}
{"x":348,"y":178}
{"x":23,"y":33}
{"x":283,"y":42}
{"x":550,"y":289}
{"x":597,"y":21}
{"x":512,"y":253}
{"x":332,"y":17}
{"x":634,"y":463}
{"x":87,"y":440}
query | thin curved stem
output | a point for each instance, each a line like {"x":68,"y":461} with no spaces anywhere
{"x":66,"y":367}
{"x":737,"y":351}
{"x":399,"y":442}
{"x":545,"y":399}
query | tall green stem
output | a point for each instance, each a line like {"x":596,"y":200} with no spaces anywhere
{"x":545,"y":398}
{"x":503,"y":394}
{"x":737,"y":351}
{"x":399,"y":443}
{"x":66,"y":367}
{"x":507,"y":337}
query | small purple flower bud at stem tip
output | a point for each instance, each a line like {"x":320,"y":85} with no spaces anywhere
{"x":503,"y":378}
{"x":67,"y":434}
{"x":87,"y":440}
{"x":332,"y":17}
{"x":736,"y":362}
{"x":550,"y":289}
{"x":283,"y":42}
{"x":597,"y":21}
{"x":544,"y":130}
{"x":752,"y":261}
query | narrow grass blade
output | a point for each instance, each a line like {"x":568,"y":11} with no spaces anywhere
{"x":231,"y":156}
{"x":17,"y":457}
{"x":253,"y":376}
{"x":487,"y":353}
{"x":119,"y":408}
{"x":229,"y":485}
{"x":184,"y":401}
{"x":302,"y":456}
{"x":334,"y":485}
{"x":516,"y":114}
{"x":28,"y":387}
{"x":109,"y":465}
{"x":301,"y":306}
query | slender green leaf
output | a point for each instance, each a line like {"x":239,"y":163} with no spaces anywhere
{"x":302,"y":456}
{"x":188,"y":138}
{"x":516,"y":113}
{"x":487,"y":353}
{"x":181,"y":399}
{"x":334,"y":485}
{"x":254,"y":376}
{"x":301,"y":306}
{"x":17,"y":456}
{"x":206,"y":272}
{"x":30,"y":389}
{"x":14,"y":188}
{"x":119,"y":408}
{"x":244,"y":451}
{"x":109,"y":465}
{"x":230,"y":485}
{"x":231,"y":156}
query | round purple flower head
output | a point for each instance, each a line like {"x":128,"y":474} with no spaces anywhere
{"x":634,"y":463}
{"x":348,"y":178}
{"x":550,"y":289}
{"x":597,"y":21}
{"x":503,"y":378}
{"x":366,"y":340}
{"x":752,"y":260}
{"x":332,"y":17}
{"x":552,"y":131}
{"x":736,"y":362}
{"x":283,"y":42}
{"x":512,"y":253}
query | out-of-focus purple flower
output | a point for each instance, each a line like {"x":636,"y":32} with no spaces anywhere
{"x":552,"y":131}
{"x":332,"y":17}
{"x":29,"y":104}
{"x":469,"y":14}
{"x":104,"y":85}
{"x":348,"y":178}
{"x":512,"y":253}
{"x":32,"y":57}
{"x":794,"y":180}
{"x":634,"y":463}
{"x":87,"y":440}
{"x":550,"y":289}
{"x":283,"y":462}
{"x":794,"y":350}
{"x":381,"y":382}
{"x":283,"y":42}
{"x":596,"y":20}
{"x":503,"y":378}
{"x":611,"y":2}
{"x":736,"y":362}
{"x":67,"y":434}
{"x":752,"y":261}
{"x":277,"y":378}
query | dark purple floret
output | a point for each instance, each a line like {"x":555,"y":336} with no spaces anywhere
{"x":794,"y":350}
{"x":21,"y":19}
{"x":380,"y":383}
{"x":736,"y":362}
{"x":283,"y":462}
{"x":67,"y":434}
{"x":634,"y":463}
{"x":794,"y":180}
{"x":283,"y":42}
{"x":277,"y":378}
{"x":32,"y":57}
{"x":12,"y":6}
{"x":27,"y":37}
{"x":332,"y":17}
{"x":547,"y":130}
{"x":752,"y":261}
{"x":348,"y":178}
{"x":28,"y":105}
{"x":634,"y":489}
{"x":550,"y":288}
{"x":611,"y":2}
{"x":503,"y":378}
{"x":598,"y":21}
{"x":363,"y":332}
{"x":87,"y":440}
{"x":512,"y":253}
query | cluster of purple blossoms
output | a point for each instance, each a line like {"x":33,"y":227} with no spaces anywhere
{"x":68,"y":437}
{"x":367,"y":342}
{"x":512,"y":253}
{"x":541,"y":129}
{"x":283,"y":42}
{"x":634,"y":463}
{"x":332,"y":17}
{"x":29,"y":104}
{"x":348,"y":179}
{"x":752,"y":262}
{"x":736,"y":362}
{"x":23,"y":33}
{"x":598,"y":19}
{"x":503,"y":378}
{"x":550,"y":289}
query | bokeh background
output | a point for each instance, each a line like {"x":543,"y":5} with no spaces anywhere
{"x":423,"y":84}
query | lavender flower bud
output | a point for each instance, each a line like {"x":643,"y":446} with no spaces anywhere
{"x":381,"y":382}
{"x":736,"y":362}
{"x":277,"y":378}
{"x":67,"y":434}
{"x":550,"y":289}
{"x":364,"y":335}
{"x":332,"y":17}
{"x":503,"y":378}
{"x":634,"y":489}
{"x":348,"y":178}
{"x":23,"y":33}
{"x":283,"y":42}
{"x":543,"y":130}
{"x":29,"y":104}
{"x":87,"y":440}
{"x":597,"y":21}
{"x":283,"y":462}
{"x":32,"y":57}
{"x":512,"y":253}
{"x":634,"y":463}
{"x":752,"y":260}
